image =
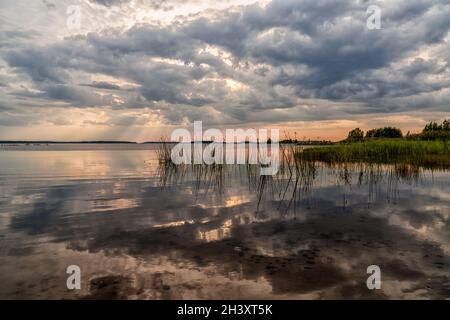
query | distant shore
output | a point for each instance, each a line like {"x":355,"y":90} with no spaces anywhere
{"x":22,"y":142}
{"x":64,"y":142}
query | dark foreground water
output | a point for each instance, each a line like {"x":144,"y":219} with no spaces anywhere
{"x":140,"y":230}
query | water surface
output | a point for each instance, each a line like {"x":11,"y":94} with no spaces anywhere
{"x":139,"y":229}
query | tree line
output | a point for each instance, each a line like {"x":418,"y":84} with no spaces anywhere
{"x":432,"y":131}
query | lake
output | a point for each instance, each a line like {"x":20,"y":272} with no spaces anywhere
{"x":139,"y":229}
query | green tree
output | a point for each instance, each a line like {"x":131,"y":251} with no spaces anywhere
{"x":355,"y":135}
{"x":432,"y":126}
{"x":386,"y":132}
{"x":446,"y":125}
{"x":433,"y":131}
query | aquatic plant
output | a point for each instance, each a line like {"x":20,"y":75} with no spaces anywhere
{"x":429,"y":154}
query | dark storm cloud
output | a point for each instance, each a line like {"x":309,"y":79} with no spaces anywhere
{"x":40,"y":65}
{"x":279,"y":56}
{"x":102,"y":85}
{"x":340,"y":50}
{"x":149,"y":40}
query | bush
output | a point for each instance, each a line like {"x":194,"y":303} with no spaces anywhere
{"x":355,"y":135}
{"x":386,"y":132}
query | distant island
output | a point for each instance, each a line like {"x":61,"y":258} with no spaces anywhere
{"x":26,"y":142}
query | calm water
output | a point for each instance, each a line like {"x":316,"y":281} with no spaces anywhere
{"x":141,"y":230}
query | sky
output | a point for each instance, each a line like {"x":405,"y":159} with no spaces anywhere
{"x":138,"y":69}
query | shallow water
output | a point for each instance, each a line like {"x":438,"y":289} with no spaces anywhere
{"x":141,"y":230}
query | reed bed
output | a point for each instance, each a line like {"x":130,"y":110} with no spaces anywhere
{"x":429,"y":154}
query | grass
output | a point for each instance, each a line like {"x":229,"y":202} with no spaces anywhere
{"x":431,"y":154}
{"x":163,"y":151}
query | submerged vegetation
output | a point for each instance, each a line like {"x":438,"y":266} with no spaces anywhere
{"x":163,"y":152}
{"x":295,"y":183}
{"x":379,"y":146}
{"x":376,"y":159}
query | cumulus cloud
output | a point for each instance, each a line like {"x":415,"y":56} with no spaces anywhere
{"x":265,"y":62}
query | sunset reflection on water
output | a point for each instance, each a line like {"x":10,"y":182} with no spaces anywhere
{"x":118,"y":216}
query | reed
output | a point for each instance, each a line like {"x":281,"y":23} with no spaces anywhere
{"x":163,"y":151}
{"x":428,"y":154}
